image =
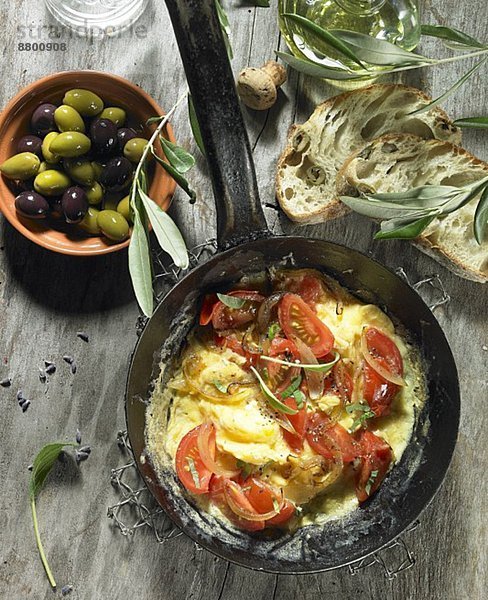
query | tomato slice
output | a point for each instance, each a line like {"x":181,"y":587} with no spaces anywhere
{"x":376,"y":457}
{"x":224,"y":317}
{"x":280,"y":376}
{"x":337,"y":380}
{"x":377,"y":391}
{"x":323,"y":436}
{"x":303,"y":282}
{"x":190,"y":469}
{"x":217,"y":496}
{"x":263,"y":497}
{"x":206,"y":313}
{"x":299,"y":423}
{"x":298,"y":320}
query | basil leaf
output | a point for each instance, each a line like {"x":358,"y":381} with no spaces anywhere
{"x":377,"y":52}
{"x":166,"y":231}
{"x":325,"y":36}
{"x":450,"y":34}
{"x":140,"y":264}
{"x":273,"y":331}
{"x":350,"y":408}
{"x":41,"y":467}
{"x":299,"y":398}
{"x":274,"y":402}
{"x":481,"y":218}
{"x":371,"y":480}
{"x":308,"y":67}
{"x":292,"y":388}
{"x":177,"y":156}
{"x":195,"y":126}
{"x":403,"y":230}
{"x":221,"y":386}
{"x":176,"y":175}
{"x":231,"y":301}
{"x":225,"y":27}
{"x":450,"y":91}
{"x":472,"y":122}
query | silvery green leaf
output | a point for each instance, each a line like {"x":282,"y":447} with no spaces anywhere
{"x":403,"y":229}
{"x":176,"y":175}
{"x":472,"y":122}
{"x":166,"y":231}
{"x":465,"y":196}
{"x":376,"y":209}
{"x":481,"y":218}
{"x":231,"y":301}
{"x":450,"y":34}
{"x":325,"y":35}
{"x":224,"y":25}
{"x":424,"y":192}
{"x":140,"y":264}
{"x":177,"y":156}
{"x":195,"y":126}
{"x":307,"y":67}
{"x":451,"y":90}
{"x":377,"y":52}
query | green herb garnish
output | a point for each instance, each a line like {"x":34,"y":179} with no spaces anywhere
{"x":193,"y":471}
{"x":273,"y":330}
{"x":224,"y":389}
{"x":366,"y":411}
{"x":321,"y":367}
{"x":371,"y":480}
{"x":291,"y":389}
{"x":246,"y":468}
{"x":299,"y":398}
{"x":43,"y":463}
{"x":274,"y":402}
{"x":406,"y":214}
{"x":232,"y":301}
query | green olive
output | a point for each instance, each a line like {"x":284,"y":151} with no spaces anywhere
{"x":85,"y":102}
{"x":98,"y":169}
{"x":134,"y":148}
{"x":123,"y":207}
{"x":94,"y":193}
{"x":46,"y":166}
{"x":48,"y":155}
{"x":70,"y":144}
{"x":21,"y":166}
{"x":68,"y":119}
{"x":51,"y":183}
{"x":113,"y":225}
{"x":89,"y":224}
{"x":114,"y":114}
{"x":80,"y":170}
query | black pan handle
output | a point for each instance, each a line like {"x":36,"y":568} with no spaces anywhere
{"x":240,"y":216}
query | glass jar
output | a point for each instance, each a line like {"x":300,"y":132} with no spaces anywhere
{"x":92,"y":17}
{"x":396,"y":21}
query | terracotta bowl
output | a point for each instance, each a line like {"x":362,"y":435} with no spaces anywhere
{"x":14,"y":123}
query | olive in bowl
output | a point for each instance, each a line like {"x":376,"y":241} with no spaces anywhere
{"x":116,"y":100}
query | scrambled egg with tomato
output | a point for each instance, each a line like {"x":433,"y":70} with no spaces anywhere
{"x":217,"y":383}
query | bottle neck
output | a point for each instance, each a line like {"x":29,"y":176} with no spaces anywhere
{"x":361,"y":8}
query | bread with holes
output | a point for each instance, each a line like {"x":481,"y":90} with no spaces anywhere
{"x":316,"y":150}
{"x":398,"y":162}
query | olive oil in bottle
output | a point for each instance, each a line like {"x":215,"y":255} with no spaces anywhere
{"x":396,"y":21}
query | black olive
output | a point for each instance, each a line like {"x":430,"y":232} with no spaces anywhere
{"x":103,"y":134}
{"x":32,"y":205}
{"x":42,"y":120}
{"x":124,"y":134}
{"x":74,"y":204}
{"x":117,"y":174}
{"x":30,"y":143}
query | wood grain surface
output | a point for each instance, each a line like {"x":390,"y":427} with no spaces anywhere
{"x":46,"y":298}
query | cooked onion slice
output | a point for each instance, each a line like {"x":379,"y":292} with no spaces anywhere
{"x":375,"y":365}
{"x":205,"y":443}
{"x":315,"y":379}
{"x":264,"y":311}
{"x":241,"y":506}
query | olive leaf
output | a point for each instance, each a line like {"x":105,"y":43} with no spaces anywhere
{"x":195,"y":126}
{"x":177,"y":156}
{"x":451,"y":35}
{"x":307,"y":67}
{"x":166,"y":231}
{"x":140,"y":268}
{"x":326,"y":36}
{"x":377,"y":52}
{"x":403,"y":228}
{"x":176,"y":175}
{"x":317,"y":368}
{"x":225,"y":27}
{"x":481,"y":217}
{"x":451,"y":90}
{"x":231,"y":301}
{"x":472,"y":122}
{"x":41,"y":467}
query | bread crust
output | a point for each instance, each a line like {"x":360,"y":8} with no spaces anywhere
{"x":333,"y":207}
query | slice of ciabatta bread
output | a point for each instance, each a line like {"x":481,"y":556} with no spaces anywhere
{"x":308,"y":166}
{"x":398,"y":162}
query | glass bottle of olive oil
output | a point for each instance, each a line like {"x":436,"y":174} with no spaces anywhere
{"x":396,"y":21}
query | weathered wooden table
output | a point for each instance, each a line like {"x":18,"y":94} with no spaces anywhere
{"x":46,"y":298}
